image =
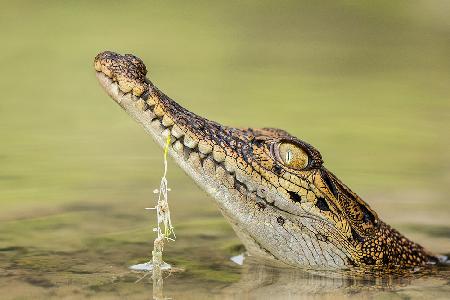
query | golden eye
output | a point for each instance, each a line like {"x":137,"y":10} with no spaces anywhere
{"x":293,"y":156}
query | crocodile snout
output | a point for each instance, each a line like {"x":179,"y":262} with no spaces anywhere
{"x":127,"y":70}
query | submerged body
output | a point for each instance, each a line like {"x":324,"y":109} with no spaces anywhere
{"x":272,"y":187}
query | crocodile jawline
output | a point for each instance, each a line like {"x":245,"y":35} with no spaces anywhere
{"x":302,"y":217}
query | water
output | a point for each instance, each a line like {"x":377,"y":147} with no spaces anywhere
{"x":367,"y":84}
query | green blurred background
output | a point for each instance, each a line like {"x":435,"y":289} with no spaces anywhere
{"x":366,"y":82}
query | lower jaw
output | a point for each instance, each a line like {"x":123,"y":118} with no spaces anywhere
{"x":231,"y":200}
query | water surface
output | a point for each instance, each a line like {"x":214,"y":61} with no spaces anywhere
{"x":367,"y":84}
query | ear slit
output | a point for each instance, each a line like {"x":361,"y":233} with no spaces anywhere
{"x":368,"y":216}
{"x":326,"y":178}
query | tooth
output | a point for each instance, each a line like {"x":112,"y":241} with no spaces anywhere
{"x":165,"y":133}
{"x":125,"y":86}
{"x":97,"y":66}
{"x":223,"y":177}
{"x":156,"y":125}
{"x":204,"y":147}
{"x":209,"y":167}
{"x":178,"y":146}
{"x":149,"y":114}
{"x":229,"y":182}
{"x":167,"y":121}
{"x":218,"y":154}
{"x":151,"y":101}
{"x":230,"y":164}
{"x":138,"y":90}
{"x":190,"y":141}
{"x":220,"y":173}
{"x":186,"y":153}
{"x":194,"y":160}
{"x":141,"y":104}
{"x":159,"y":111}
{"x":176,"y":131}
{"x":106,"y":71}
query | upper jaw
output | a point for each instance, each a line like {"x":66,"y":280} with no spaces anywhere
{"x":197,"y":144}
{"x":195,"y":141}
{"x":193,"y":138}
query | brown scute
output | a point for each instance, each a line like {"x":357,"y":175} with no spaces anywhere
{"x":128,"y":70}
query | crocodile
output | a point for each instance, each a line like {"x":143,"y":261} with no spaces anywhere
{"x":272,"y":187}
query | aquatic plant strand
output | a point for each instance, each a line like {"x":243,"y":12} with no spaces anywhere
{"x":163,"y":220}
{"x":162,"y":207}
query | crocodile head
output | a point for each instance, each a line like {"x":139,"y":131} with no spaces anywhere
{"x":271,"y":186}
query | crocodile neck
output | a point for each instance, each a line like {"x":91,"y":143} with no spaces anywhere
{"x":283,"y":206}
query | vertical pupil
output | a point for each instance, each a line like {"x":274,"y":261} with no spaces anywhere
{"x":288,"y":156}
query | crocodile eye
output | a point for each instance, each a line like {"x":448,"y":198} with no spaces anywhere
{"x":292,"y":156}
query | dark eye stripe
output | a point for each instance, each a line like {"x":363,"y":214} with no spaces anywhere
{"x":322,"y":204}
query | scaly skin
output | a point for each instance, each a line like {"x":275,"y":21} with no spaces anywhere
{"x":272,"y":187}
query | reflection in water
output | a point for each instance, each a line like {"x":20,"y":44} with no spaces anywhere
{"x":261,"y":281}
{"x":156,"y":272}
